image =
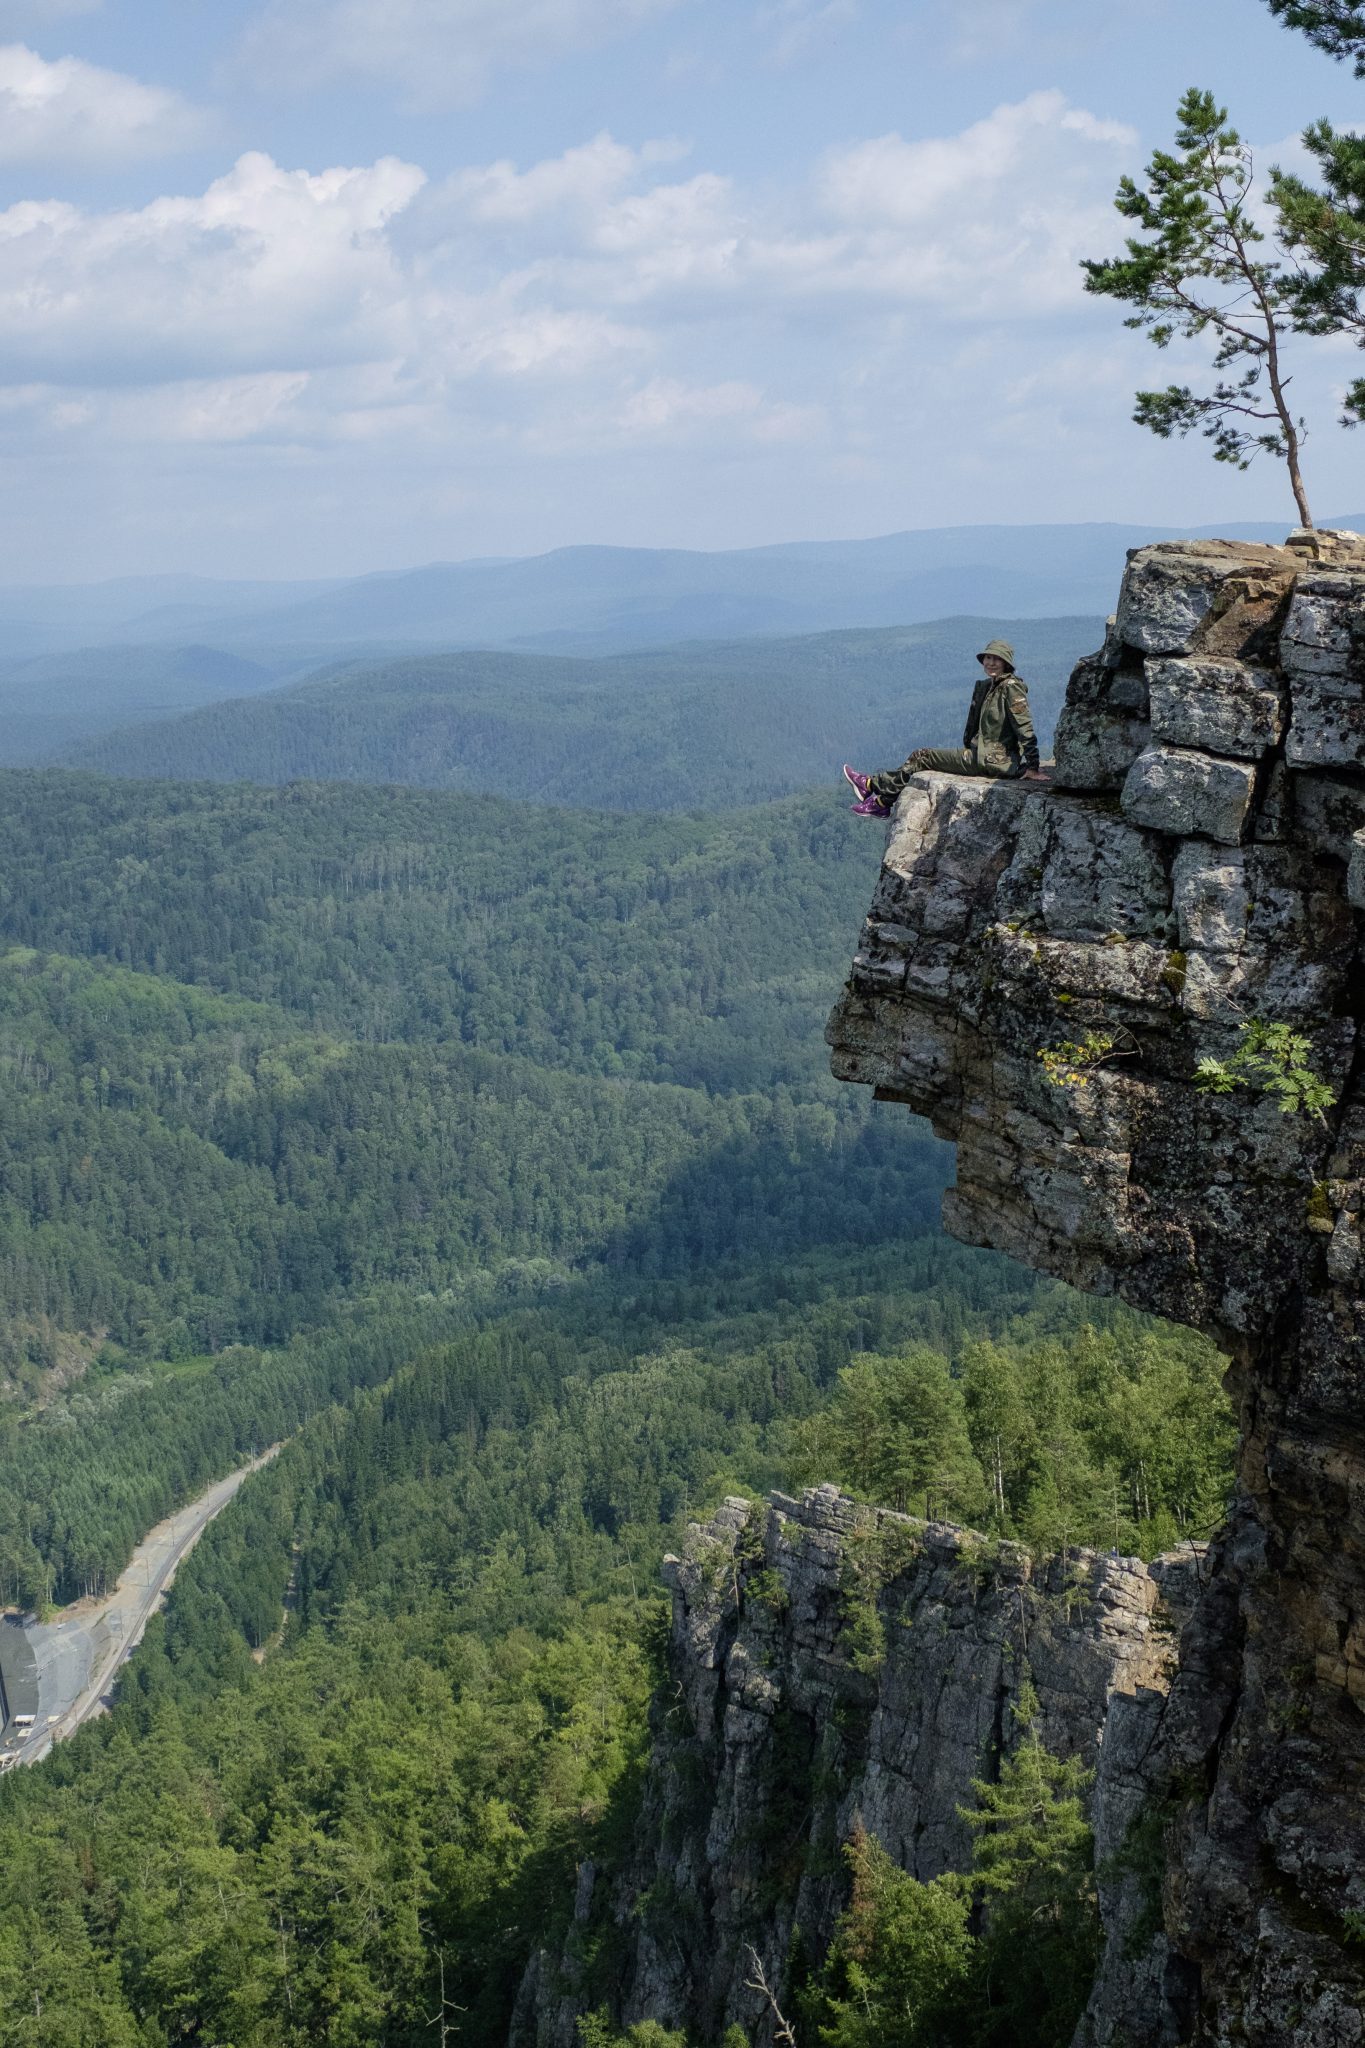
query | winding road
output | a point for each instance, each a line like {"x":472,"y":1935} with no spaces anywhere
{"x":78,"y":1657}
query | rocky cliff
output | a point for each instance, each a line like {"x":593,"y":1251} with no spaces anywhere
{"x":1197,"y":862}
{"x":830,"y":1661}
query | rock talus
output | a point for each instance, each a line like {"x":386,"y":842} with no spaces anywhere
{"x":1197,"y":861}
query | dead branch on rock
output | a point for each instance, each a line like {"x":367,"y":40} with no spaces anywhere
{"x":783,"y":2030}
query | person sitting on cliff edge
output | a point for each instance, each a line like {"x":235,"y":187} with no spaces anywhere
{"x":999,"y":739}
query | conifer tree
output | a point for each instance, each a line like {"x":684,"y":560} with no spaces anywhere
{"x":1326,"y":224}
{"x":896,"y":1432}
{"x":901,"y":1958}
{"x":1198,"y":266}
{"x":1336,"y":26}
{"x":1032,"y":1861}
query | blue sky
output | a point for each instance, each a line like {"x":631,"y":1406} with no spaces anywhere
{"x":310,"y":287}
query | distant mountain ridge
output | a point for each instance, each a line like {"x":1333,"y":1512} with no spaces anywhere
{"x":703,"y":726}
{"x":594,"y":599}
{"x":80,"y":662}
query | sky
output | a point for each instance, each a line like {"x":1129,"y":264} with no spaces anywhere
{"x":317,"y":287}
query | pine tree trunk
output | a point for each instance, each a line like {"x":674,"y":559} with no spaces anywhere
{"x":1287,"y":426}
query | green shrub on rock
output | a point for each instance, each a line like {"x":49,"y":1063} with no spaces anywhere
{"x":595,"y":2031}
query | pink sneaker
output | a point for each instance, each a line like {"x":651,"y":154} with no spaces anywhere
{"x":871,"y":807}
{"x":859,"y":781}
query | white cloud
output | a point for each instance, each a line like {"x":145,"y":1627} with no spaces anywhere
{"x":796,"y":25}
{"x":436,"y":52}
{"x":266,"y":270}
{"x":1076,"y":121}
{"x":995,"y":216}
{"x":511,"y":341}
{"x":687,"y":237}
{"x":595,"y":225}
{"x":276,"y":305}
{"x":1013,"y":151}
{"x":210,"y":409}
{"x":665,"y":405}
{"x":585,"y":263}
{"x":75,"y":112}
{"x":581,"y":182}
{"x":598,"y":300}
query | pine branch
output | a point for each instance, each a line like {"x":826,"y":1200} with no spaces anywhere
{"x":1336,"y":26}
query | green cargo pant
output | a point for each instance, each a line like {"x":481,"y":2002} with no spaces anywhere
{"x":942,"y":760}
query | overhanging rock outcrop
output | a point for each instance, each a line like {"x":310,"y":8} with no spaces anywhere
{"x":1198,"y":860}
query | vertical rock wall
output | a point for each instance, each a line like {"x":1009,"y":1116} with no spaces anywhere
{"x":829,"y":1662}
{"x":1197,"y":861}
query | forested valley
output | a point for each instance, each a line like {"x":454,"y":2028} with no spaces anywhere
{"x":486,"y":1156}
{"x":705,"y":724}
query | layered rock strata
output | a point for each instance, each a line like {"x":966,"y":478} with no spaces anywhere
{"x":831,"y":1662}
{"x":1043,"y":970}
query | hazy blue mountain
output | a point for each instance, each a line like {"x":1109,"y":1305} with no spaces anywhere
{"x":600,"y":599}
{"x":696,"y":727}
{"x":163,"y":640}
{"x":603,"y":598}
{"x":631,"y":597}
{"x":51,"y":702}
{"x":74,"y":608}
{"x":84,"y":676}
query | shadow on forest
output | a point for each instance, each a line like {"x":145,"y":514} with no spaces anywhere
{"x":871,"y":1185}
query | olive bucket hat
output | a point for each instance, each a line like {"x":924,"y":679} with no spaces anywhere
{"x":1001,"y":648}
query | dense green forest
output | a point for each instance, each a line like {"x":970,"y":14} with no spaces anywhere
{"x":290,"y":1851}
{"x":700,"y":726}
{"x":187,"y":1169}
{"x":488,"y":1159}
{"x":171,"y":1161}
{"x":696,"y":950}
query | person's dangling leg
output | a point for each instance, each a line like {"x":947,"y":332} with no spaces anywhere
{"x":939,"y":760}
{"x":945,"y":761}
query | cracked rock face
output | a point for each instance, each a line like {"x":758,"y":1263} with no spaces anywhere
{"x":831,"y":1661}
{"x":1198,"y":860}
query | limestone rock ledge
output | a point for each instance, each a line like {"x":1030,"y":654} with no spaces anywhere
{"x":1198,"y":859}
{"x":829,"y":1661}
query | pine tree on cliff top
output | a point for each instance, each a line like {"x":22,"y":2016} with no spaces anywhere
{"x":1199,"y":265}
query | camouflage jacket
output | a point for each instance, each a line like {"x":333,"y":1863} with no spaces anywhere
{"x":999,"y":735}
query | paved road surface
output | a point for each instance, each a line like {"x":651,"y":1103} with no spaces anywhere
{"x":78,"y":1657}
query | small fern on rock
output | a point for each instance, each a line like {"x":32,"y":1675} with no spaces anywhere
{"x":1272,"y":1058}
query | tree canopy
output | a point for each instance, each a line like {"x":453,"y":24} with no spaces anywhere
{"x":497,"y":1171}
{"x":1336,"y":26}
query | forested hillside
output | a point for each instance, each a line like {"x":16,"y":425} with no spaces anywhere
{"x":289,"y":1053}
{"x":50,"y":702}
{"x":702,"y":726}
{"x":183,"y":1169}
{"x":700,"y":951}
{"x":455,"y":1717}
{"x":488,"y":1156}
